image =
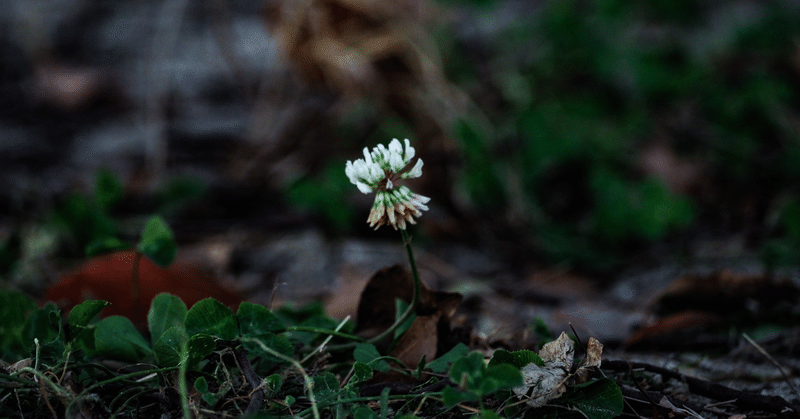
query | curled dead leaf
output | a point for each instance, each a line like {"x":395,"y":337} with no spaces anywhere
{"x":543,"y":384}
{"x":594,"y":352}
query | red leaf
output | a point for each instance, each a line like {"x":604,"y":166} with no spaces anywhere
{"x":108,"y":277}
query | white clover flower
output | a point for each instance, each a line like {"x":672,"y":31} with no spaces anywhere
{"x":379,"y":171}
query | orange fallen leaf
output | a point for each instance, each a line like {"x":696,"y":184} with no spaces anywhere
{"x":108,"y":277}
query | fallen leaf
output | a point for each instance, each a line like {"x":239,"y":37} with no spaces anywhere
{"x":376,"y":308}
{"x":429,"y":330}
{"x":593,"y":359}
{"x":543,"y":384}
{"x":725,"y":292}
{"x":108,"y":277}
{"x":662,"y":328}
{"x":420,"y":340}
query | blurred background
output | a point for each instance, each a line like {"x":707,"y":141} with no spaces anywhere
{"x":600,"y":138}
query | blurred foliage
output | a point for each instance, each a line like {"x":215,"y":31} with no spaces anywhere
{"x":84,"y":219}
{"x":179,"y":193}
{"x":579,"y":88}
{"x":87,"y":224}
{"x":324,"y":195}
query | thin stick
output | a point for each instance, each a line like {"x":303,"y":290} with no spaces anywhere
{"x":780,"y":368}
{"x":577,"y":337}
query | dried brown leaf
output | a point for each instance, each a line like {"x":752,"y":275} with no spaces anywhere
{"x":543,"y":384}
{"x":420,"y":340}
{"x":376,"y":308}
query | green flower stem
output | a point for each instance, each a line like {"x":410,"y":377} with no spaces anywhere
{"x":183,"y":390}
{"x":409,"y":311}
{"x":325,"y":332}
{"x":412,"y":307}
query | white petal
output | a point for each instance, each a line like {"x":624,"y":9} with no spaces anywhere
{"x":396,"y":162}
{"x":415,"y":171}
{"x":409,"y":151}
{"x":395,"y":146}
{"x":350,"y":171}
{"x":421,"y":199}
{"x":363,"y":187}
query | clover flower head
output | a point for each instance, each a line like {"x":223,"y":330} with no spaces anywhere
{"x":379,"y":171}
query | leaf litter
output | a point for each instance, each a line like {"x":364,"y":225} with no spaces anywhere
{"x":544,"y":383}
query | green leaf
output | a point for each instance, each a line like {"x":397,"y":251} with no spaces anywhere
{"x":170,"y":349}
{"x":600,"y":399}
{"x":293,"y":316}
{"x":442,"y":363}
{"x":277,"y":343}
{"x":499,"y":377}
{"x":166,"y":311}
{"x":468,"y":370}
{"x":83,"y":313}
{"x":518,"y":359}
{"x":211,"y":317}
{"x":471,"y":373}
{"x":256,"y":320}
{"x":106,"y":245}
{"x":274,"y":383}
{"x":361,"y":372}
{"x":400,"y":307}
{"x":157,"y":241}
{"x":326,"y":387}
{"x":43,"y":324}
{"x":452,"y":397}
{"x":198,"y":347}
{"x":117,"y":338}
{"x":14,"y":308}
{"x":421,"y":366}
{"x":368,"y":354}
{"x":107,"y":189}
{"x":363,"y":412}
{"x":541,"y":330}
{"x":201,"y":385}
{"x":489,"y":414}
{"x":83,"y":220}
